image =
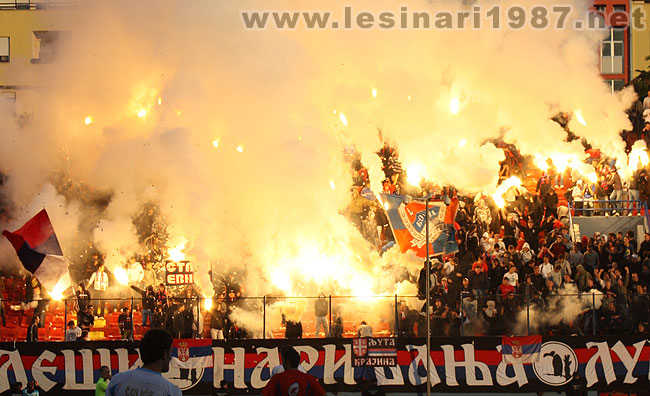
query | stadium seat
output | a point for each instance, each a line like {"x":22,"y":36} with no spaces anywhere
{"x":12,"y":322}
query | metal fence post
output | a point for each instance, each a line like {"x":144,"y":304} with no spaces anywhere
{"x":593,"y":312}
{"x":396,"y":318}
{"x":527,"y":313}
{"x":264,"y":319}
{"x":330,"y":317}
{"x":65,"y":316}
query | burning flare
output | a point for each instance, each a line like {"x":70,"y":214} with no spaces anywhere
{"x":88,"y":120}
{"x":176,"y":253}
{"x":142,"y":113}
{"x":507,"y":184}
{"x":344,"y":119}
{"x":454,"y":105}
{"x":121,"y":275}
{"x":580,"y":118}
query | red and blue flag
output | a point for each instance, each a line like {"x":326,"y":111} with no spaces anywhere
{"x":521,"y":349}
{"x":39,"y":251}
{"x":407,"y":220}
{"x":192,"y":353}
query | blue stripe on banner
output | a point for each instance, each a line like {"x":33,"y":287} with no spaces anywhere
{"x":195,"y":351}
{"x":31,"y":259}
{"x":526,"y":349}
{"x":50,"y":246}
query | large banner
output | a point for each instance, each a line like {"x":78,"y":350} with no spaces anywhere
{"x":407,"y":220}
{"x":458,"y":365}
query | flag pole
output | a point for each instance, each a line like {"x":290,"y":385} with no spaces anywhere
{"x":428,"y":303}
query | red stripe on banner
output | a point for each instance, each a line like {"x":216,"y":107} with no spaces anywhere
{"x":37,"y":230}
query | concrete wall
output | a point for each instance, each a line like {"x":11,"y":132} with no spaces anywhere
{"x":640,"y":41}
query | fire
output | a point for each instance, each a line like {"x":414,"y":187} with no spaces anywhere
{"x":592,"y":177}
{"x":208,"y":303}
{"x":57,"y":292}
{"x":343,"y":118}
{"x":142,"y":113}
{"x":414,"y":174}
{"x":374,"y":92}
{"x":176,"y":253}
{"x":409,"y":97}
{"x":580,"y":118}
{"x":332,"y":185}
{"x":454,"y":105}
{"x":462,"y":143}
{"x":88,"y":120}
{"x":215,"y":143}
{"x":637,"y":156}
{"x":159,"y":101}
{"x":121,"y":276}
{"x":507,"y":184}
{"x":240,"y":148}
{"x":540,"y":162}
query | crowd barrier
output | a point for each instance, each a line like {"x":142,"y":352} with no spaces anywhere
{"x":266,"y":317}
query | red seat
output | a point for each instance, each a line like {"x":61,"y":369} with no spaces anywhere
{"x":21,"y":333}
{"x":8,"y":334}
{"x":12,"y":322}
{"x":112,"y":333}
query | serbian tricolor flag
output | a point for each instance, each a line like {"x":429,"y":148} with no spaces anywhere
{"x":191,"y":353}
{"x":407,"y":220}
{"x":521,"y":349}
{"x":39,"y":250}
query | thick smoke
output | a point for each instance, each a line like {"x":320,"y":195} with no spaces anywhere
{"x":237,"y":136}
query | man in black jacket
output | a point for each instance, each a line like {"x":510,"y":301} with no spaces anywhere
{"x":32,"y":330}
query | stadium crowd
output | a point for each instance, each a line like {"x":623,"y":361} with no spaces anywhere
{"x":516,"y":265}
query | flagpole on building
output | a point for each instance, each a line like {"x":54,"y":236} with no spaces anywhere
{"x":428,"y":303}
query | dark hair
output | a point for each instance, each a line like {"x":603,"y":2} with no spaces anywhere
{"x":71,"y":323}
{"x":153,"y":345}
{"x":290,"y":355}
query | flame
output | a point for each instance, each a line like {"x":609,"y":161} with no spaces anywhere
{"x":176,"y":253}
{"x":240,"y":148}
{"x":386,"y":206}
{"x":332,"y":185}
{"x":454,"y":105}
{"x":506,"y":185}
{"x":414,"y":174}
{"x":215,"y":143}
{"x":409,"y":98}
{"x":142,"y":113}
{"x":580,"y":118}
{"x":159,"y":101}
{"x":374,"y":92}
{"x":121,"y":276}
{"x":344,"y":119}
{"x":638,"y":156}
{"x":88,"y":120}
{"x":59,"y":288}
{"x":207,"y":303}
{"x":540,"y":162}
{"x":462,"y":143}
{"x":592,"y":177}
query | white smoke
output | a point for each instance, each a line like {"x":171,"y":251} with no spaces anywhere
{"x":239,"y":144}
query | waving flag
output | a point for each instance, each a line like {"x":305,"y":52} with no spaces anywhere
{"x":521,"y":349}
{"x":407,"y":220}
{"x":191,"y":353}
{"x":38,"y":249}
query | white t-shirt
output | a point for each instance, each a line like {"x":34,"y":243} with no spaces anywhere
{"x":512,"y":278}
{"x":141,"y":381}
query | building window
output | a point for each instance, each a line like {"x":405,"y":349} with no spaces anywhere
{"x":600,"y":8}
{"x":4,"y":49}
{"x":611,"y":59}
{"x":46,"y":44}
{"x":615,"y":85}
{"x":619,"y":7}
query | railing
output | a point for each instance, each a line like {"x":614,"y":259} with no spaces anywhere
{"x":607,"y":208}
{"x":389,"y":316}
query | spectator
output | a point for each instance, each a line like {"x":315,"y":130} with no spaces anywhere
{"x":155,"y":352}
{"x":99,"y":280}
{"x":321,"y":308}
{"x":32,"y":330}
{"x":546,"y":267}
{"x":102,"y":382}
{"x":148,"y":303}
{"x":73,"y":332}
{"x":179,"y":322}
{"x":292,"y":381}
{"x":125,"y":323}
{"x":83,"y":297}
{"x":364,"y":330}
{"x":512,"y":276}
{"x":31,"y":389}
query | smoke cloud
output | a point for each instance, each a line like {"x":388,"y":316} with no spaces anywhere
{"x":236,"y":135}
